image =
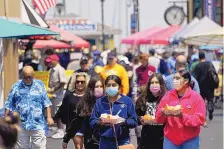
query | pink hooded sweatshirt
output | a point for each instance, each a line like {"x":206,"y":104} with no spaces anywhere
{"x":178,"y":130}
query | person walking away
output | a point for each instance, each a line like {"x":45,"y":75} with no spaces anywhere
{"x":195,"y":62}
{"x":152,"y":132}
{"x":185,"y":121}
{"x":113,"y":68}
{"x":181,"y":64}
{"x":28,"y":97}
{"x":153,"y":60}
{"x":208,"y":80}
{"x":171,"y":62}
{"x":113,"y":103}
{"x":68,"y":112}
{"x":163,"y":65}
{"x":57,"y":81}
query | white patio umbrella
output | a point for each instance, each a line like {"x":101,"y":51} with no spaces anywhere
{"x":203,"y":26}
{"x":215,"y":37}
{"x":178,"y":35}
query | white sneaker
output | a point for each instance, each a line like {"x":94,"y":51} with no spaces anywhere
{"x":59,"y":134}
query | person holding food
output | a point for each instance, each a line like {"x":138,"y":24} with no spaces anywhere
{"x":147,"y":102}
{"x":183,"y":111}
{"x":114,"y":114}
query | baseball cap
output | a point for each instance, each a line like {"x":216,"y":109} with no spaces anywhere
{"x":51,"y":58}
{"x":84,"y":60}
{"x":112,"y":55}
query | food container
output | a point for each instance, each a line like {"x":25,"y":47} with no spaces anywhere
{"x":173,"y":110}
{"x":111,"y":119}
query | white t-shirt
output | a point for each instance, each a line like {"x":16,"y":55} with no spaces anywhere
{"x":154,"y":61}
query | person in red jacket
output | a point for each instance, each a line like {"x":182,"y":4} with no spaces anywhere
{"x":182,"y":127}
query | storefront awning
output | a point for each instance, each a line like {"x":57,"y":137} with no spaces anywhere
{"x":16,"y":29}
{"x":140,"y":37}
{"x":70,"y":37}
{"x":40,"y":44}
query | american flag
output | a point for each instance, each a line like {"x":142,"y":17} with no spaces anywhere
{"x":43,"y":6}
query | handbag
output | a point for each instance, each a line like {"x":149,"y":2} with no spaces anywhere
{"x":127,"y":146}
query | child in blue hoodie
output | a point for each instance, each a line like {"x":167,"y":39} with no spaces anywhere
{"x":114,"y":103}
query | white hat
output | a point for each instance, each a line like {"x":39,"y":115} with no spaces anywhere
{"x":123,"y":58}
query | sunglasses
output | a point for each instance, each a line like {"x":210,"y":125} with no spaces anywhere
{"x":80,"y":82}
{"x":28,"y":78}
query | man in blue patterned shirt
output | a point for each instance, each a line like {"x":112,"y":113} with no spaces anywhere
{"x":29,"y":98}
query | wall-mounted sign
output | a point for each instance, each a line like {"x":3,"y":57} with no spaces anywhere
{"x":209,"y":8}
{"x":81,"y":25}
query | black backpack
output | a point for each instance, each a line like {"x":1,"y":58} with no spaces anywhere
{"x":213,"y":77}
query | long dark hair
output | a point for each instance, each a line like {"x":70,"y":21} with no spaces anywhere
{"x":186,"y":75}
{"x":146,"y":95}
{"x":9,"y":130}
{"x":86,"y":104}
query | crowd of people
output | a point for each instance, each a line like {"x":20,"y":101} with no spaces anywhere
{"x":126,"y":86}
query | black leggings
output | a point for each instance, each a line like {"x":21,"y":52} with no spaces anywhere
{"x":210,"y":104}
{"x":91,"y":145}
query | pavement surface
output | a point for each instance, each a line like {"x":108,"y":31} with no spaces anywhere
{"x":211,"y":137}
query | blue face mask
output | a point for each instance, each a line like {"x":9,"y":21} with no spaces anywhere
{"x":112,"y":91}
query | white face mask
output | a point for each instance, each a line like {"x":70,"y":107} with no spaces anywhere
{"x":176,"y":84}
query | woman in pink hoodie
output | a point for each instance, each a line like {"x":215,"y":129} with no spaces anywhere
{"x":182,"y":128}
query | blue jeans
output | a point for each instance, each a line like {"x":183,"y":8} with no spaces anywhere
{"x":189,"y":144}
{"x":108,"y":144}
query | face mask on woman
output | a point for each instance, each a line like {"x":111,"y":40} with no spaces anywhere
{"x":98,"y":92}
{"x":154,"y":88}
{"x":177,"y":85}
{"x":112,"y":91}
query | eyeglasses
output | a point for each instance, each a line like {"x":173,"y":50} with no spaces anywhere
{"x":78,"y":82}
{"x":27,"y":77}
